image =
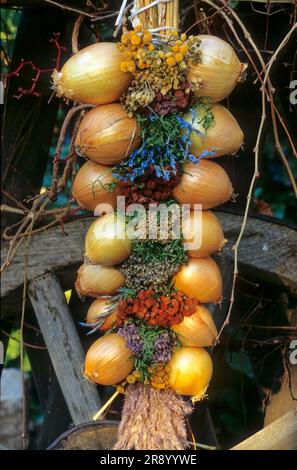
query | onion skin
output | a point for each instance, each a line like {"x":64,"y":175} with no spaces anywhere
{"x":219,"y":69}
{"x":197,"y":330}
{"x":107,"y":134}
{"x":106,"y":241}
{"x":93,"y":75}
{"x":97,"y":308}
{"x":108,"y":360}
{"x":224,"y":136}
{"x":201,"y":279}
{"x":88,"y":192}
{"x":210,"y":231}
{"x":204,"y":183}
{"x":190,"y":372}
{"x":94,"y":280}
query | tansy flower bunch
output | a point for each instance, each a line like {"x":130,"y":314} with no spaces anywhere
{"x":159,"y":66}
{"x":158,"y":378}
{"x":135,"y":47}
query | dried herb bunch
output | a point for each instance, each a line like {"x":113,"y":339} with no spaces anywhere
{"x":162,"y":224}
{"x":152,"y":265}
{"x":165,"y":147}
{"x":164,"y":310}
{"x":153,"y":419}
{"x":159,"y":68}
{"x":149,"y":188}
{"x":155,"y":275}
{"x":150,"y":345}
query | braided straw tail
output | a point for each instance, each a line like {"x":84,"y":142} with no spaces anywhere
{"x":153,"y":420}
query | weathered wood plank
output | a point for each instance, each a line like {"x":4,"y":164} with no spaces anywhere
{"x":279,"y":435}
{"x":64,"y":347}
{"x":268,"y":249}
{"x":50,"y":250}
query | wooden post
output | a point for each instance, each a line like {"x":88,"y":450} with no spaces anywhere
{"x":279,"y":435}
{"x":65,"y":350}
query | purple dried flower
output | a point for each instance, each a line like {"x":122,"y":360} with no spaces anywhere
{"x":130,"y":332}
{"x":164,"y":345}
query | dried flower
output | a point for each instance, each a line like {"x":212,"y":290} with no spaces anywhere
{"x":165,"y":146}
{"x":166,"y":310}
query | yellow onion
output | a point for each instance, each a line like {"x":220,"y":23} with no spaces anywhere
{"x":190,"y":371}
{"x":107,"y":134}
{"x":94,"y":280}
{"x":106,"y":241}
{"x":200,"y":278}
{"x":219,"y":69}
{"x":197,"y":330}
{"x":205,"y":227}
{"x":224,"y":135}
{"x":93,"y":75}
{"x":92,"y":186}
{"x":97,"y":308}
{"x":108,"y":360}
{"x":204,"y":183}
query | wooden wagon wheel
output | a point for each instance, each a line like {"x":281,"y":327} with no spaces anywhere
{"x":268,"y":250}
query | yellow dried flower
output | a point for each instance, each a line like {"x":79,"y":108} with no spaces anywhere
{"x":183,"y":37}
{"x":171,"y":61}
{"x":184,"y":48}
{"x":120,"y":46}
{"x":131,"y":66}
{"x":135,"y":39}
{"x":131,"y":379}
{"x":175,"y":48}
{"x":151,"y":47}
{"x":123,"y":67}
{"x":138,"y":28}
{"x":125,"y":38}
{"x":179,"y":57}
{"x":174,"y":33}
{"x":127,"y":55}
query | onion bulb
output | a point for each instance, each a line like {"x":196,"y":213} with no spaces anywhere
{"x":107,"y":134}
{"x":98,"y":308}
{"x":197,"y":330}
{"x":94,"y":280}
{"x":108,"y":360}
{"x":93,"y":75}
{"x":219,"y":69}
{"x":204,"y":183}
{"x":190,"y":371}
{"x":106,"y":241}
{"x":93,"y":185}
{"x":200,"y":278}
{"x":223,"y":136}
{"x":204,"y":227}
